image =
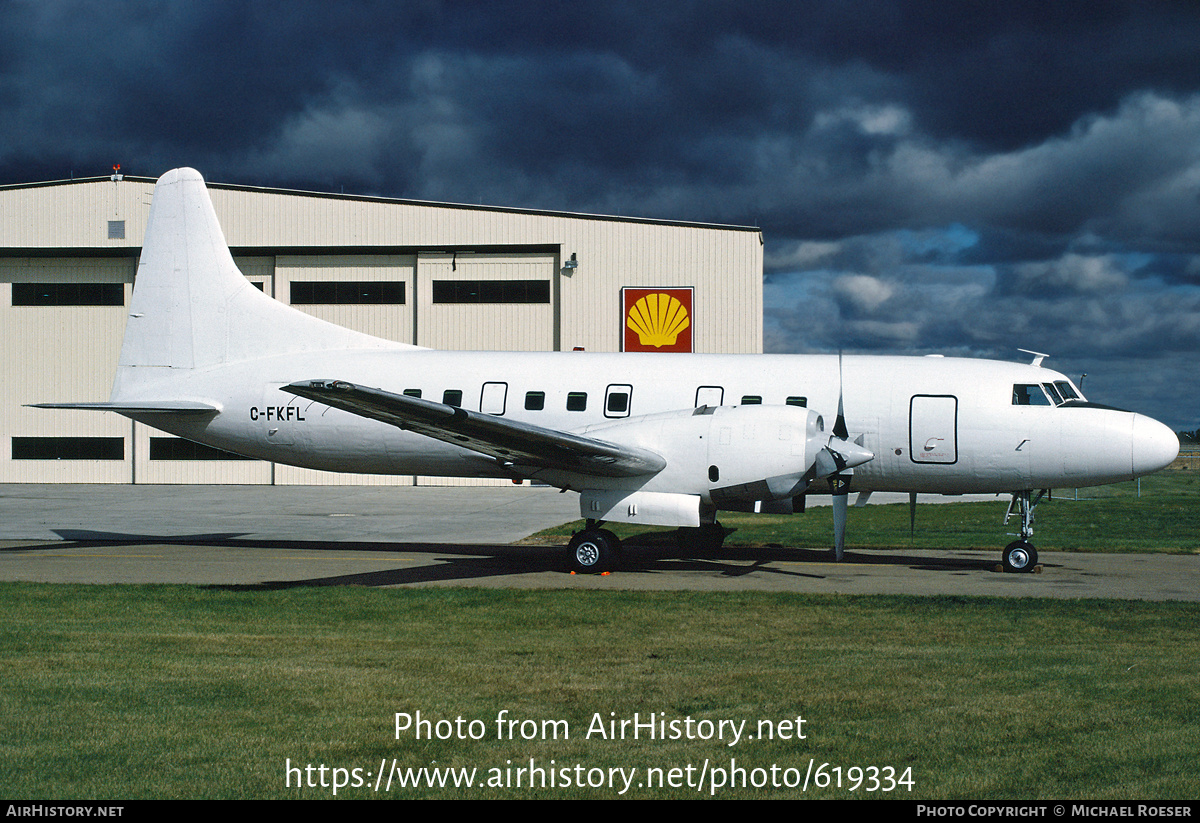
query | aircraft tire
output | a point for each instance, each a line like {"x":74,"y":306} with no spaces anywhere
{"x":1020,"y":556}
{"x":593,"y":551}
{"x":613,"y":541}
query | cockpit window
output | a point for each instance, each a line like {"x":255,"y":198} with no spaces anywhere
{"x":1053,"y":392}
{"x":1067,"y":390}
{"x":1058,"y":393}
{"x":1029,"y":395}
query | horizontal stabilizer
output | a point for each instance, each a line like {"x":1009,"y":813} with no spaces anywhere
{"x":138,"y":406}
{"x":522,"y":447}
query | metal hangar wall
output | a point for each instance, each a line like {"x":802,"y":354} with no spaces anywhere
{"x":441,"y":275}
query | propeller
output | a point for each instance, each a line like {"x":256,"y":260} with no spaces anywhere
{"x":836,"y":462}
{"x":912,"y":515}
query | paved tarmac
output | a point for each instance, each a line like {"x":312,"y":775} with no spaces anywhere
{"x":284,"y":536}
{"x":404,"y":514}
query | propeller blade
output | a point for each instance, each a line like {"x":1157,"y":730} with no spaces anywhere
{"x":840,"y":504}
{"x":837,"y":461}
{"x":912,"y":515}
{"x":839,"y":425}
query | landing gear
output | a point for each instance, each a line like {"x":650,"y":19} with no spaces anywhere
{"x":1020,"y":555}
{"x":707,"y":537}
{"x":594,"y":550}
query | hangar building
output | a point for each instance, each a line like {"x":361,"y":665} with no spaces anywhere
{"x":441,"y":275}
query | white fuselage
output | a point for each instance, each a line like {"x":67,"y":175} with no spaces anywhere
{"x":940,"y":425}
{"x":655,"y":438}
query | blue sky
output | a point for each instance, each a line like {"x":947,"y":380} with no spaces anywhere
{"x":953,"y":177}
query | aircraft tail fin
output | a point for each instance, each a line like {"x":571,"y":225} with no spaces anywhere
{"x":191,"y":306}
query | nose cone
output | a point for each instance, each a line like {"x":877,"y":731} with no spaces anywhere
{"x":853,"y":454}
{"x":839,"y":455}
{"x":1154,"y":445}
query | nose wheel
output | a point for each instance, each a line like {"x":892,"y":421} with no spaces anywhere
{"x":1020,"y":555}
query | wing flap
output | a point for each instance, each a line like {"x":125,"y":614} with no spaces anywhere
{"x":520,"y":446}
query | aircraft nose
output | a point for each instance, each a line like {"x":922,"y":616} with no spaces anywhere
{"x":1154,"y":445}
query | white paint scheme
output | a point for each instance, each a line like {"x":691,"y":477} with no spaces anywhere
{"x":205,"y":356}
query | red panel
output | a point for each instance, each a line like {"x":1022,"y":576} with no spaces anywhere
{"x":657,"y":319}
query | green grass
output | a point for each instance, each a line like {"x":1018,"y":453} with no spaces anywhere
{"x":1164,"y":518}
{"x":151,"y":691}
{"x":122,"y":692}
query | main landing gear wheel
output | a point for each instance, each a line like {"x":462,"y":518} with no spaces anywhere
{"x":594,"y":551}
{"x":1020,"y":556}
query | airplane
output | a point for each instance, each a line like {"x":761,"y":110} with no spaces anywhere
{"x":656,"y":439}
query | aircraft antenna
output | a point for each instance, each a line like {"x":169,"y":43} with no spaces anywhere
{"x":1038,"y":357}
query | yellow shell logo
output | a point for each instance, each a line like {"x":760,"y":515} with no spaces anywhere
{"x":657,"y":319}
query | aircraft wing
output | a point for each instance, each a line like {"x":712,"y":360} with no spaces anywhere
{"x":520,"y":446}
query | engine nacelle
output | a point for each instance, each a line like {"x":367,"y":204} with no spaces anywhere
{"x":729,"y":456}
{"x":760,"y":454}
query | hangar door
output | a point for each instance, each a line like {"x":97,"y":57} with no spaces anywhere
{"x":63,"y":319}
{"x":933,"y":428}
{"x":486,"y":302}
{"x":369,"y":293}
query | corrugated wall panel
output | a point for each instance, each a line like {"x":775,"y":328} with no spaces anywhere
{"x":484,"y":326}
{"x":393,"y":322}
{"x":183,"y":472}
{"x":74,"y":215}
{"x":60,"y":354}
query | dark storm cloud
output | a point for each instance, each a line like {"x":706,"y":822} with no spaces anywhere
{"x":820,"y":118}
{"x":1007,"y":75}
{"x":964,"y":177}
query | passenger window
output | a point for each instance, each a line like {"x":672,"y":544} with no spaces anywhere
{"x":1029,"y":395}
{"x":535,"y":400}
{"x":618,"y":397}
{"x":577,"y":401}
{"x":751,"y":400}
{"x":452,"y":397}
{"x":798,"y":401}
